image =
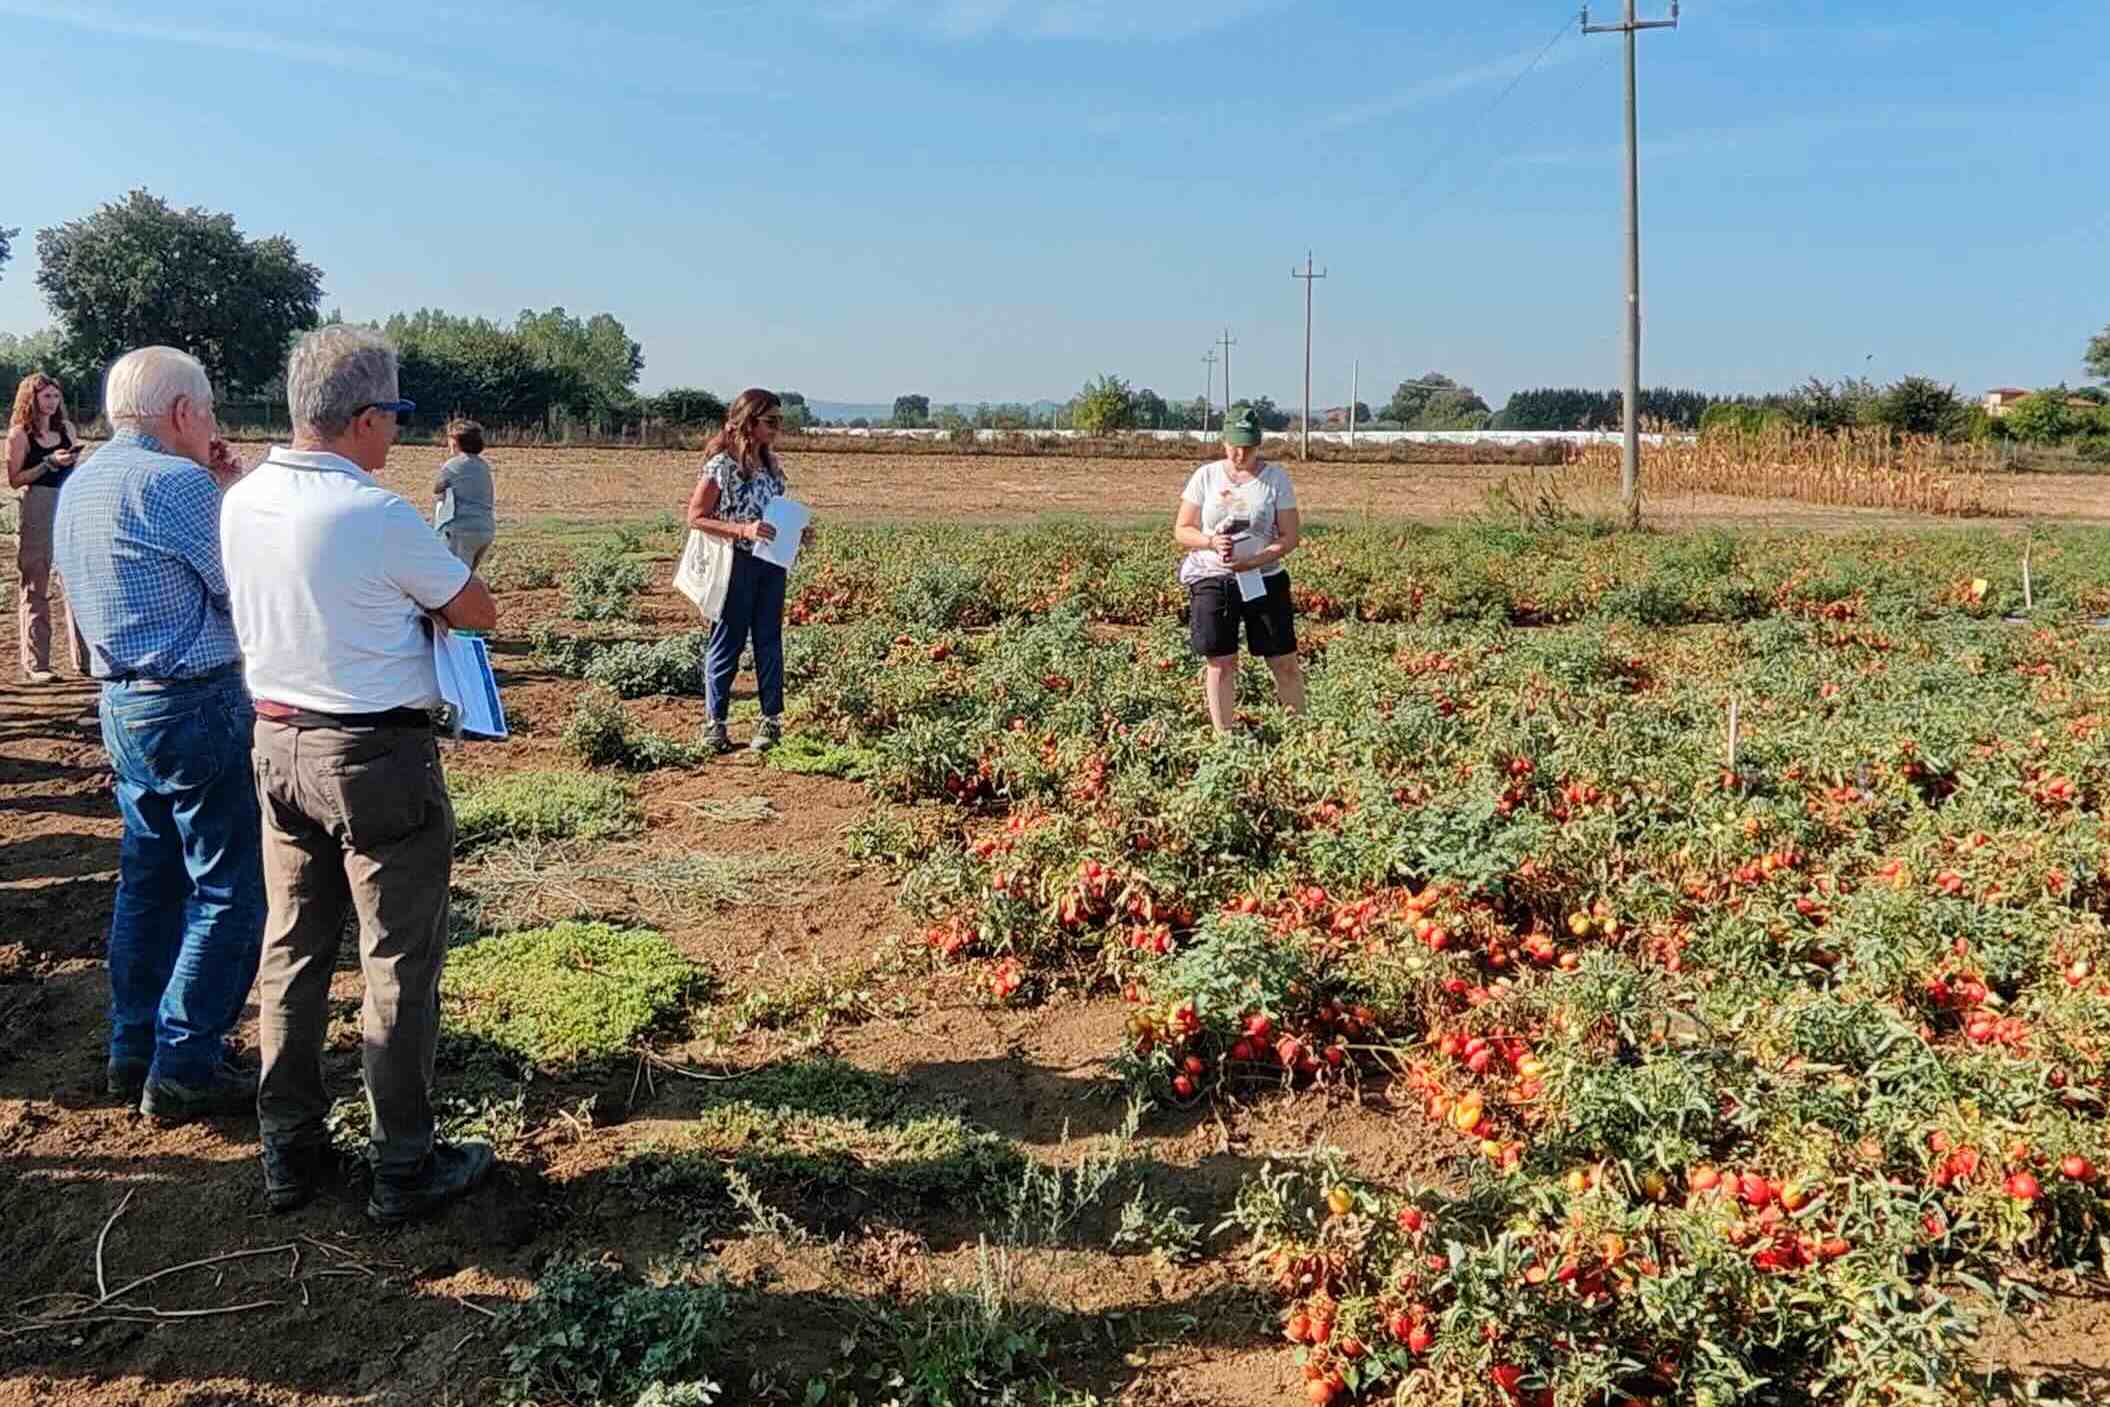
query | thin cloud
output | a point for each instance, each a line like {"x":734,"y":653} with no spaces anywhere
{"x":355,"y":58}
{"x":1082,"y":20}
{"x":1434,"y":89}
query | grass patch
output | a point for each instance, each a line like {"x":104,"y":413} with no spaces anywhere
{"x":568,"y":994}
{"x":543,"y":806}
{"x":819,"y":1125}
{"x":809,"y":756}
{"x":736,"y":810}
{"x":814,"y":1000}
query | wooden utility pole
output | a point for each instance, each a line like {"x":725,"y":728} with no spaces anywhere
{"x":1208,"y":387}
{"x":1309,"y":279}
{"x":1630,"y":457}
{"x":1228,"y":343}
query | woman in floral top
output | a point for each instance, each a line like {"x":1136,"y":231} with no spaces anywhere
{"x":738,"y":481}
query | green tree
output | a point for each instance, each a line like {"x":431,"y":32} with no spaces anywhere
{"x":19,"y":356}
{"x":1103,"y":405}
{"x":686,"y":406}
{"x":7,"y":245}
{"x":2097,"y":359}
{"x":595,"y":363}
{"x":2042,"y":418}
{"x":1151,"y":412}
{"x":911,"y":412}
{"x":138,"y":272}
{"x":1412,"y":397}
{"x":797,"y":416}
{"x":1919,"y":405}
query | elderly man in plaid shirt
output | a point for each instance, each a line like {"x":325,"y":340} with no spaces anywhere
{"x":138,"y":543}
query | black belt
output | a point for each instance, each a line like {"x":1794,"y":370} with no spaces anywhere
{"x":228,"y":670}
{"x":274,"y":712}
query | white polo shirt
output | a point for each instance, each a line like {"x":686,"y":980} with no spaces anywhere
{"x":330,"y":576}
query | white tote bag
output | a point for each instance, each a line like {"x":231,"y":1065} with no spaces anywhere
{"x":706,"y":568}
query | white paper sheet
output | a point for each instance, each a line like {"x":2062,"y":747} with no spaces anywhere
{"x":1251,"y":585}
{"x":789,"y":517}
{"x":467,"y":686}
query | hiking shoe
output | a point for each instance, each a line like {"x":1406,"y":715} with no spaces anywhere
{"x":767,"y":736}
{"x":294,"y":1173}
{"x":126,"y":1078}
{"x":447,"y":1172}
{"x":717,"y":739}
{"x":229,"y":1091}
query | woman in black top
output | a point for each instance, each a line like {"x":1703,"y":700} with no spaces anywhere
{"x":42,"y":448}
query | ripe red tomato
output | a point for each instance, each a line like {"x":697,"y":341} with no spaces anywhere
{"x":1194,"y":1065}
{"x":1298,"y":1329}
{"x":1755,"y":1190}
{"x":2023,"y":1187}
{"x":1259,"y":1027}
{"x":2073,"y":1165}
{"x":1183,"y":1086}
{"x":1704,"y":1178}
{"x":1419,"y":1338}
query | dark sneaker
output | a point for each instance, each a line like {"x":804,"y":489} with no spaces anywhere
{"x":448,"y":1171}
{"x":717,"y":739}
{"x":294,"y":1173}
{"x":229,"y":1091}
{"x":767,"y":736}
{"x":126,"y":1079}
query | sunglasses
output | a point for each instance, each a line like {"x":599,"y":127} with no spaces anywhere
{"x":400,"y":409}
{"x":773,"y":421}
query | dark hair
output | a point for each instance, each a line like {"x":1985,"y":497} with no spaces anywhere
{"x":468,"y":434}
{"x":737,"y":436}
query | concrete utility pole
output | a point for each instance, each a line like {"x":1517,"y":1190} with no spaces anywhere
{"x":1309,"y":279}
{"x":1208,"y":387}
{"x":1228,"y":343}
{"x":1630,"y":457}
{"x":1355,"y":377}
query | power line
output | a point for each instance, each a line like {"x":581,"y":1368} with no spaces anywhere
{"x":1228,"y":343}
{"x":1445,"y":152}
{"x":1208,"y":386}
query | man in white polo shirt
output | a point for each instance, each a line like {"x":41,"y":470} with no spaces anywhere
{"x":335,"y":583}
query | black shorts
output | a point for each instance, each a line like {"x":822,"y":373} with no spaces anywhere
{"x":1215,"y":610}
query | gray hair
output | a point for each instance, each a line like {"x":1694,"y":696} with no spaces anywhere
{"x":144,"y":385}
{"x":334,"y":371}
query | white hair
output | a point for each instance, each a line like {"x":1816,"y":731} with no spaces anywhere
{"x":334,"y":373}
{"x":144,"y":385}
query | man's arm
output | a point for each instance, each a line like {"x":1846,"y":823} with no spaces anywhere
{"x":473,"y":607}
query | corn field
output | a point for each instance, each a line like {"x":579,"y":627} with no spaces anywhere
{"x":1847,"y":469}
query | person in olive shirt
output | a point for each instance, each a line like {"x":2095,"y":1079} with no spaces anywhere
{"x":467,"y":514}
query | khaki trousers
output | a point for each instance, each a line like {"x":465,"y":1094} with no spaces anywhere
{"x":356,"y":821}
{"x":36,"y":514}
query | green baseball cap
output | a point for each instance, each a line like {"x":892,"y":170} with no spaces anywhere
{"x":1243,"y":428}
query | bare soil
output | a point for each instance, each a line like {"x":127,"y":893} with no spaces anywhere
{"x":346,"y":1314}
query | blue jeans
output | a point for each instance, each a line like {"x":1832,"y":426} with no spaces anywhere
{"x":188,"y":924}
{"x":754,"y":606}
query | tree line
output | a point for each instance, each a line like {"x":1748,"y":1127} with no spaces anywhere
{"x":139,"y":271}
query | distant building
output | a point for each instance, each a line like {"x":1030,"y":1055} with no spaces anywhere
{"x":1999,"y":402}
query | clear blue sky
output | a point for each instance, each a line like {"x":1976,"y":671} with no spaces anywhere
{"x":994,"y":199}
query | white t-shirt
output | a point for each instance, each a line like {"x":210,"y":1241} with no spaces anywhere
{"x":330,"y":576}
{"x":1258,"y":501}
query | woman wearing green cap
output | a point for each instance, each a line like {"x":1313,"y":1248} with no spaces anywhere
{"x":1238,"y":520}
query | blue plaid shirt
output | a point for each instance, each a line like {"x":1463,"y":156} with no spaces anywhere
{"x":138,"y":544}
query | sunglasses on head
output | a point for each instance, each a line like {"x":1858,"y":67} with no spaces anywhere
{"x":400,"y":409}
